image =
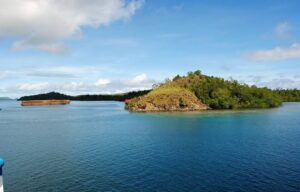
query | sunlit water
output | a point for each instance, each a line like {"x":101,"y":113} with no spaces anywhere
{"x":98,"y":146}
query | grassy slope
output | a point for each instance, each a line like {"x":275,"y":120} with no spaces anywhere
{"x":167,"y":97}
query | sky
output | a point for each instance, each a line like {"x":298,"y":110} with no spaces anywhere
{"x":112,"y":46}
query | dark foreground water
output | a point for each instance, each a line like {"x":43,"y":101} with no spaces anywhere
{"x":97,"y":146}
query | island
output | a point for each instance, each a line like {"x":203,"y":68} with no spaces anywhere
{"x":197,"y":91}
{"x":5,"y":98}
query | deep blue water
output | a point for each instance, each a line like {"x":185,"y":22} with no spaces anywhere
{"x":97,"y":146}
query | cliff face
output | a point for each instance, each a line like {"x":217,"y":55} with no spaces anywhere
{"x":45,"y":102}
{"x":166,"y":98}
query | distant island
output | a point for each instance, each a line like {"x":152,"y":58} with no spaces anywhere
{"x":102,"y":97}
{"x":192,"y":92}
{"x":5,"y":98}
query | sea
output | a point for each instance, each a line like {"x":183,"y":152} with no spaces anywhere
{"x":99,"y":146}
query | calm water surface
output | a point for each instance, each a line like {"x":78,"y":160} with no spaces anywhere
{"x":97,"y":146}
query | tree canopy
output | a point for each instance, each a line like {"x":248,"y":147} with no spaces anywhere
{"x":219,"y":93}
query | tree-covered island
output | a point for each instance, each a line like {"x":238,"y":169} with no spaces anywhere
{"x":213,"y":92}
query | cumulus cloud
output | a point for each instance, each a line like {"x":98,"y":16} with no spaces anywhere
{"x":45,"y":24}
{"x":283,"y":30}
{"x":138,"y":82}
{"x":102,"y":82}
{"x":277,"y":53}
{"x":139,"y":79}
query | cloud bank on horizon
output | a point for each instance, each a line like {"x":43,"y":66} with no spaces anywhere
{"x":111,"y":46}
{"x":105,"y":86}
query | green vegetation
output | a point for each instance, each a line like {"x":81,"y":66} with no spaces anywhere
{"x":46,"y":96}
{"x":167,"y":98}
{"x":115,"y":97}
{"x":217,"y":93}
{"x":289,"y":95}
{"x":227,"y":94}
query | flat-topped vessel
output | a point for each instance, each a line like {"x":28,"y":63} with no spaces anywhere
{"x":45,"y":102}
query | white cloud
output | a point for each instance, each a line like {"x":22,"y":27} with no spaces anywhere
{"x":139,"y":79}
{"x":102,"y":82}
{"x":282,"y":30}
{"x":278,"y":53}
{"x":45,"y":24}
{"x":34,"y":86}
{"x":139,"y":82}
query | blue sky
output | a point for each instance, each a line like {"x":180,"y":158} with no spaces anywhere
{"x":110,"y":46}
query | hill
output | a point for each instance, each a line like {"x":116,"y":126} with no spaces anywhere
{"x":46,"y":96}
{"x":214,"y":92}
{"x":167,"y":98}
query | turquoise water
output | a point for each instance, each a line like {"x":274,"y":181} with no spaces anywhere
{"x":97,"y":146}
